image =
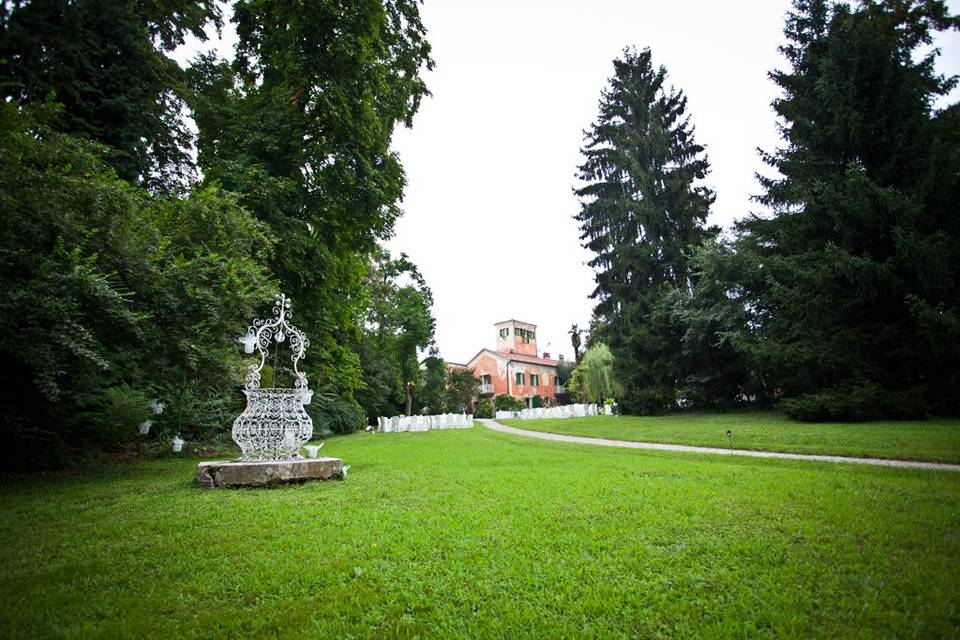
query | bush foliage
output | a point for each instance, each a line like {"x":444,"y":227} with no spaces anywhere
{"x":111,"y":294}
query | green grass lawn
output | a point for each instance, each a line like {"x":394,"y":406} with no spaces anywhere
{"x":474,"y":533}
{"x":937,"y":439}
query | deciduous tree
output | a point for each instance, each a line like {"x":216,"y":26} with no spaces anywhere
{"x":300,"y":125}
{"x":107,"y":63}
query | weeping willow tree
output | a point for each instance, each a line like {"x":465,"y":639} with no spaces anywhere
{"x":593,"y":379}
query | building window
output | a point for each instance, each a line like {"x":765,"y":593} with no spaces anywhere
{"x":526,"y":335}
{"x":534,"y":380}
{"x":485,"y":379}
{"x":521,"y":378}
{"x":504,"y":332}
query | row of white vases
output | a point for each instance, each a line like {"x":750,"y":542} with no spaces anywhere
{"x":566,"y":411}
{"x":399,"y":424}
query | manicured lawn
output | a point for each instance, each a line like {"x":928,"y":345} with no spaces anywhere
{"x":480,"y":534}
{"x":937,"y":439}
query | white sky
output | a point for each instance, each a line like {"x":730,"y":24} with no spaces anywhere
{"x":491,"y":158}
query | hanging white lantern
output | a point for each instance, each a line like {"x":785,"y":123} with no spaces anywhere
{"x":145,"y":427}
{"x":248,"y":341}
{"x":177,"y":443}
{"x":157,"y":406}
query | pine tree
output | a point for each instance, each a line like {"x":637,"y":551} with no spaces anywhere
{"x":643,"y":207}
{"x":858,"y":289}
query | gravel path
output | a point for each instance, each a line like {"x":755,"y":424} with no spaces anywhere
{"x":628,"y":444}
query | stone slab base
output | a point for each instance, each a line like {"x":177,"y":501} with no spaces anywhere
{"x":234,"y":473}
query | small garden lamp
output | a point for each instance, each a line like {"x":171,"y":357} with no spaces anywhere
{"x":177,"y":443}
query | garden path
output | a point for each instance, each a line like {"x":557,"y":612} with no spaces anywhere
{"x":628,"y":444}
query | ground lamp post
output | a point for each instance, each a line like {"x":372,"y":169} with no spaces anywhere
{"x":274,"y":425}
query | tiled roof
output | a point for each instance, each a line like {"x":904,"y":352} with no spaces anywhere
{"x":518,"y":357}
{"x":497,"y":324}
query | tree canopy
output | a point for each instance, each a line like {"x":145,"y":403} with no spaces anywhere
{"x":842,"y":299}
{"x":854,"y":282}
{"x":107,"y":64}
{"x":133,"y":276}
{"x":300,"y":126}
{"x":106,"y":287}
{"x":399,"y":324}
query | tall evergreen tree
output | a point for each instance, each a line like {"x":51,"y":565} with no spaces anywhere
{"x":643,"y":208}
{"x":856,"y":277}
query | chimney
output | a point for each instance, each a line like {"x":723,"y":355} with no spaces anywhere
{"x":561,"y":357}
{"x":546,"y":355}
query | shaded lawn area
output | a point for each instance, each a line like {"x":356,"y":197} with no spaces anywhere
{"x":935,"y":439}
{"x":474,"y":533}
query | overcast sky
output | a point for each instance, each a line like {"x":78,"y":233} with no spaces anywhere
{"x":491,"y":157}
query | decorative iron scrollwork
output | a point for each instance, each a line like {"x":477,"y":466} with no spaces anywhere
{"x":274,"y":425}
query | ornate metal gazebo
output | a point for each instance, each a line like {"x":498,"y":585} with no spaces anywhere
{"x":274,"y":425}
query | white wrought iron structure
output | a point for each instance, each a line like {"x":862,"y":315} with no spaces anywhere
{"x":274,"y":425}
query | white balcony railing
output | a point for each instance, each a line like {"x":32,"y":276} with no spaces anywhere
{"x":559,"y":389}
{"x":486,"y":389}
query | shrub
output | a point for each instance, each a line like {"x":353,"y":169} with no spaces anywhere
{"x":199,"y":414}
{"x":484,"y":409}
{"x":333,"y":414}
{"x":855,"y":403}
{"x":115,"y":419}
{"x":509,"y":403}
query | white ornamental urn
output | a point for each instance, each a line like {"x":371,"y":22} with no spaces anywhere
{"x":274,"y":424}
